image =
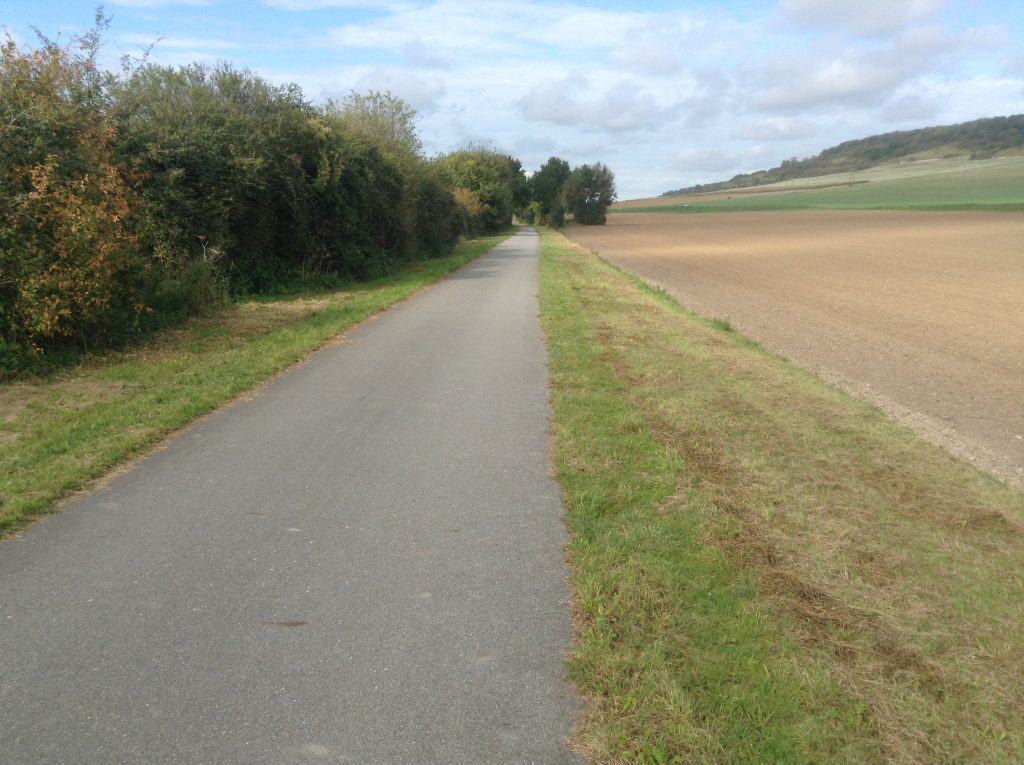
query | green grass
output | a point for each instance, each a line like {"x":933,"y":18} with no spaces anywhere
{"x":59,"y":432}
{"x":764,"y":568}
{"x":991,"y":186}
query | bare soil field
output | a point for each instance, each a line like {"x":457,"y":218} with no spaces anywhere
{"x":920,"y":312}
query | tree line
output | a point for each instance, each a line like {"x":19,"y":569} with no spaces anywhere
{"x":585,"y":193}
{"x":130,"y":200}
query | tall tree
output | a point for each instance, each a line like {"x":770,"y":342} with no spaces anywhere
{"x":386,"y":120}
{"x":546,"y":188}
{"x":588,"y":192}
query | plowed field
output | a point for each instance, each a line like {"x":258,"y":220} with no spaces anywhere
{"x":920,"y":312}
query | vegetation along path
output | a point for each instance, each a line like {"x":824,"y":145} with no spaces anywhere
{"x":766,"y":569}
{"x":362,"y":563}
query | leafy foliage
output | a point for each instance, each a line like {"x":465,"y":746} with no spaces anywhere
{"x":495,"y":182}
{"x":69,"y":265}
{"x":546,"y":190}
{"x":388,"y":121}
{"x":588,"y":192}
{"x":129,"y":201}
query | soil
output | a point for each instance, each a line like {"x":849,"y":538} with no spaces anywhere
{"x":921,"y":313}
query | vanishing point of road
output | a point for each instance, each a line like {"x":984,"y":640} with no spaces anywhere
{"x":362,"y":563}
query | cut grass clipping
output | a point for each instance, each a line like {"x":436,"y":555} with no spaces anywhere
{"x":58,"y":433}
{"x":764,"y":568}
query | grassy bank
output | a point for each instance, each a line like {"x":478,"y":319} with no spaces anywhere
{"x":58,"y":433}
{"x":766,"y":569}
{"x":951,"y":186}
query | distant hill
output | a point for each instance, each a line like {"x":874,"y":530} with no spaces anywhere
{"x":979,"y":139}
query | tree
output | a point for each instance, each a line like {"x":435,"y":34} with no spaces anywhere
{"x":519,"y":183}
{"x":588,"y":192}
{"x":386,"y":120}
{"x":546,"y":189}
{"x":494,"y":179}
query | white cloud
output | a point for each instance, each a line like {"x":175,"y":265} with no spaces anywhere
{"x":424,"y":56}
{"x":422,"y":93}
{"x":179,"y":43}
{"x":703,"y":160}
{"x":158,"y":3}
{"x":461,"y":29}
{"x":979,"y":96}
{"x":1016,"y":66}
{"x":858,"y":76}
{"x":910,"y":107}
{"x":627,"y":107}
{"x":556,"y":101}
{"x":314,"y":5}
{"x":778,"y":129}
{"x":624,"y":106}
{"x":867,"y":17}
{"x":650,"y":51}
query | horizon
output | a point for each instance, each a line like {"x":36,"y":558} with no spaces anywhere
{"x":590,"y":82}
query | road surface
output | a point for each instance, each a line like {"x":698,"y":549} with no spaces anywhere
{"x":360,"y":564}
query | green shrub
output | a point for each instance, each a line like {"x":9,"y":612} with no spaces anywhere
{"x":131,"y":201}
{"x":546,"y":190}
{"x":496,"y":180}
{"x":588,"y":192}
{"x":196,"y":288}
{"x":70,"y":266}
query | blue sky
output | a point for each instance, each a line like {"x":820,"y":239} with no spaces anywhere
{"x":667,"y":94}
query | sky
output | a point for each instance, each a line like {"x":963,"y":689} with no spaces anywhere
{"x":666,"y":94}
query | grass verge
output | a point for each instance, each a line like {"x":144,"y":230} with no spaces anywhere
{"x":58,"y":433}
{"x":764,"y":568}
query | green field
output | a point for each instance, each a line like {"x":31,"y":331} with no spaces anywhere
{"x":764,"y":568}
{"x":60,"y":431}
{"x":952,"y":184}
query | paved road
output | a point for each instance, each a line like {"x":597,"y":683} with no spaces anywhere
{"x":362,"y":564}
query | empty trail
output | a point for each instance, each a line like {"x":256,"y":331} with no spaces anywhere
{"x":360,"y":564}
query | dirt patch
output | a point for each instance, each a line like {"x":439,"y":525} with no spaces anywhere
{"x":921,"y":313}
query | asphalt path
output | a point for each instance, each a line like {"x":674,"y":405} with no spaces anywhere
{"x":361,"y":563}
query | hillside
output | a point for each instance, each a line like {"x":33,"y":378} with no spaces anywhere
{"x":951,"y":183}
{"x":978,"y":139}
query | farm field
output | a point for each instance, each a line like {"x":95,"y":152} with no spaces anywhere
{"x":931,"y":184}
{"x":920,"y":313}
{"x":765,"y":568}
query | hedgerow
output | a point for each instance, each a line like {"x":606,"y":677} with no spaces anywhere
{"x":131,"y":200}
